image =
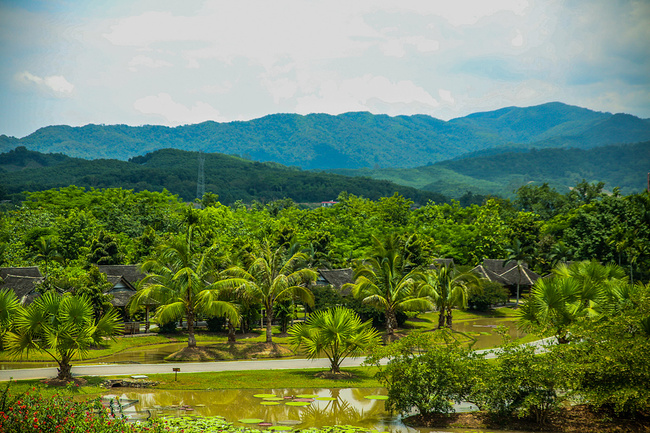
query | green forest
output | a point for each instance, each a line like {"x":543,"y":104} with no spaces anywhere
{"x":583,"y":224}
{"x":176,"y":171}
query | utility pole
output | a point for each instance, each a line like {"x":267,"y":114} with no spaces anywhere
{"x":200,"y":183}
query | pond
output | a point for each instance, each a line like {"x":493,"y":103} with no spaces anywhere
{"x":299,"y":408}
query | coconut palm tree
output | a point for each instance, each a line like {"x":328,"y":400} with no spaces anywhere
{"x":337,"y":332}
{"x":62,"y":326}
{"x":384,"y":281}
{"x":448,"y":287}
{"x":47,"y":252}
{"x":180,"y":279}
{"x":273,"y":275}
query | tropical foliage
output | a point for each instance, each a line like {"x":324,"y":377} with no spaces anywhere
{"x":385,"y":281}
{"x":61,"y":326}
{"x":273,"y":276}
{"x":337,"y":333}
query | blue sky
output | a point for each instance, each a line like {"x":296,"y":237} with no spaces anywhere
{"x":168,"y":62}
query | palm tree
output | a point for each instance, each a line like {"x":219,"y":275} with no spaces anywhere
{"x":62,"y":326}
{"x":448,"y":288}
{"x":383,"y":281}
{"x":582,"y":290}
{"x":337,"y":332}
{"x":47,"y":252}
{"x":9,"y":305}
{"x":519,"y":254}
{"x":272,"y":276}
{"x":179,"y":279}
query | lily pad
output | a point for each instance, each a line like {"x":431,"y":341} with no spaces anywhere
{"x":273,"y":398}
{"x":325,"y":398}
{"x":289,"y":422}
{"x":377,"y":397}
{"x":280,"y":428}
{"x":307,"y":396}
{"x":251,"y":420}
{"x":264,"y":395}
{"x":265,"y":424}
{"x":297,"y":403}
{"x":270,"y":403}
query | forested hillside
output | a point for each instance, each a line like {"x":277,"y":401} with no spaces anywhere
{"x":230,"y":177}
{"x":350,"y":140}
{"x":624,"y":166}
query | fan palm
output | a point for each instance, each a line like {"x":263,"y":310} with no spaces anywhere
{"x":584,"y":289}
{"x":384,"y":281}
{"x":272,"y":276}
{"x":61,"y":326}
{"x":180,"y":280}
{"x":337,"y":332}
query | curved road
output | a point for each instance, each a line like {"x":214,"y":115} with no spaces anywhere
{"x":201,"y":367}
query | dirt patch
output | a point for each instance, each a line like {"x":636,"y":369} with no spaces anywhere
{"x":77,"y":381}
{"x":195,"y":354}
{"x":575,"y":419}
{"x":334,"y":376}
{"x":221,"y":352}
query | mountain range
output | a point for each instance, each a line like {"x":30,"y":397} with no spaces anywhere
{"x":351,"y":140}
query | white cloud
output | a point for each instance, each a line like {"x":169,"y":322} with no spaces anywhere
{"x":518,"y":40}
{"x":363,"y":93}
{"x":445,"y":96}
{"x":174,"y":112}
{"x":53,"y":84}
{"x":146,"y":61}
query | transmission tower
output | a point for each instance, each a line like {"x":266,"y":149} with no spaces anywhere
{"x":200,"y":182}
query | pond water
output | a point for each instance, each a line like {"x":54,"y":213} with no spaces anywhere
{"x":481,"y":330}
{"x":322,"y":407}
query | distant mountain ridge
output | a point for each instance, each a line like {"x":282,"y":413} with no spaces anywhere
{"x":351,"y":140}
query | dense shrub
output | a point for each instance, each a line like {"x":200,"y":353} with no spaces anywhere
{"x":491,"y":293}
{"x":31,"y":412}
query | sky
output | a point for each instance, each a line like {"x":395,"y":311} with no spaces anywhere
{"x":171,"y":63}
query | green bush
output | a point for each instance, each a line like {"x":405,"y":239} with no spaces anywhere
{"x":31,"y":412}
{"x":521,"y":383}
{"x":427,"y":371}
{"x":483,"y":298}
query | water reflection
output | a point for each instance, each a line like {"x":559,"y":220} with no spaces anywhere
{"x":347,"y":406}
{"x":328,"y":407}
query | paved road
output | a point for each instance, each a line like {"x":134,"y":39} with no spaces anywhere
{"x":198,"y":367}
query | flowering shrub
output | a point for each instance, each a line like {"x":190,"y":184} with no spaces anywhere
{"x":31,"y":412}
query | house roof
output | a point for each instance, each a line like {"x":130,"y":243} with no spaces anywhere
{"x":117,"y":279}
{"x":131,"y":273}
{"x":337,"y":277}
{"x":500,"y":266}
{"x":526,"y":277}
{"x":446,"y":262}
{"x":487,"y":274}
{"x":26,"y":271}
{"x":22,"y":286}
{"x":121,"y":299}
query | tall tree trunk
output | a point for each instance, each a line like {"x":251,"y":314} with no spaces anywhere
{"x":191,"y":339}
{"x":231,"y":332}
{"x":441,"y":318}
{"x":65,"y":369}
{"x":391,"y":322}
{"x":450,"y":315}
{"x":269,"y":324}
